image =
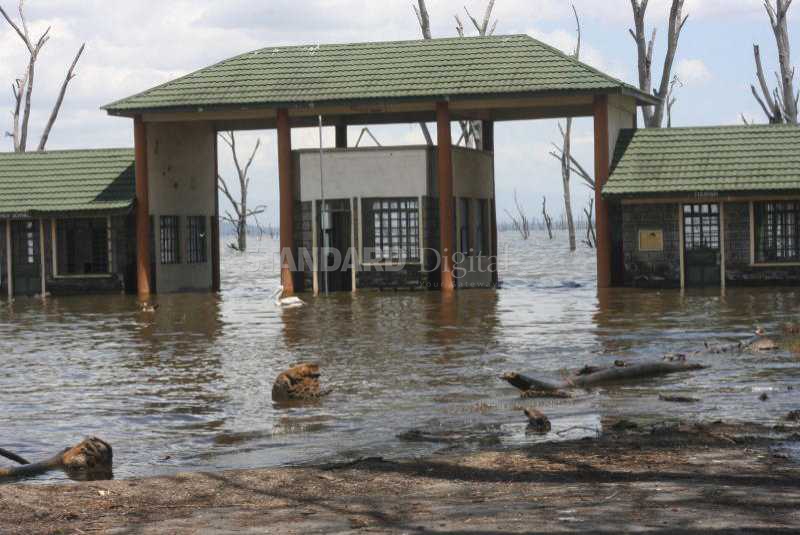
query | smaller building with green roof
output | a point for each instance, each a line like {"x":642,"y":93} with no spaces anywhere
{"x":66,"y":220}
{"x":707,"y":205}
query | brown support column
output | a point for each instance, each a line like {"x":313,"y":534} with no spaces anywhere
{"x":445,"y":171}
{"x":142,"y":209}
{"x":601,"y":171}
{"x":287,"y":200}
{"x":341,"y":136}
{"x":216,"y":271}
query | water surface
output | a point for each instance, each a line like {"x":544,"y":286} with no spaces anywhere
{"x":189,"y":387}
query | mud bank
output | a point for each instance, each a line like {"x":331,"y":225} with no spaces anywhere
{"x":685,"y":479}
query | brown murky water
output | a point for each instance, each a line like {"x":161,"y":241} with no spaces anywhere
{"x":189,"y":388}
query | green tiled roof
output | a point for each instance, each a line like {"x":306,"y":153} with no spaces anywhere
{"x":709,"y":159}
{"x":500,"y":65}
{"x":66,"y":181}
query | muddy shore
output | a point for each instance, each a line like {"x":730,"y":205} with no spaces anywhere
{"x":688,"y":479}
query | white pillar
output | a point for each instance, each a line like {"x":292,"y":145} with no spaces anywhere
{"x":722,"y":243}
{"x":42,"y":261}
{"x":682,"y":246}
{"x":9,"y":263}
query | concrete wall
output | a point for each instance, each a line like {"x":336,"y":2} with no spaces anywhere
{"x":364,"y":173}
{"x":658,"y":268}
{"x":621,"y":116}
{"x":738,"y":268}
{"x":182,"y":170}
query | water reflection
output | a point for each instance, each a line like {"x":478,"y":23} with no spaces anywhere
{"x":189,"y":386}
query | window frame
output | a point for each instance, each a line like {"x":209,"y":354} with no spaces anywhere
{"x":54,"y":250}
{"x":175,"y":241}
{"x":196,"y":244}
{"x":413,"y":232}
{"x":754,"y":262}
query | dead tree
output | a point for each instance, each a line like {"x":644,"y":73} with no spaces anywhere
{"x":591,"y":237}
{"x":241,"y":213}
{"x":22,"y":88}
{"x":520,"y":221}
{"x":564,"y":154}
{"x":654,"y":115}
{"x":471,"y":133}
{"x":91,"y":459}
{"x":548,"y":221}
{"x":780,"y":104}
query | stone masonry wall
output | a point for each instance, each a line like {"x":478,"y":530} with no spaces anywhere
{"x":657,"y":268}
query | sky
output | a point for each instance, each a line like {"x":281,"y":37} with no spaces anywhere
{"x":132,"y":46}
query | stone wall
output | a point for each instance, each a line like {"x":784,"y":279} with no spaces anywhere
{"x":3,"y":262}
{"x":657,"y":268}
{"x":737,"y":253}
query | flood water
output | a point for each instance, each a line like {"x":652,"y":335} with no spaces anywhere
{"x":189,"y":387}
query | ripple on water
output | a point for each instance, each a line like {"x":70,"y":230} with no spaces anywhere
{"x":189,"y":387}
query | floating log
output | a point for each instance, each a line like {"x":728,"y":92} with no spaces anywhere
{"x":92,"y":459}
{"x":678,"y":399}
{"x":298,"y":383}
{"x":601,"y":377}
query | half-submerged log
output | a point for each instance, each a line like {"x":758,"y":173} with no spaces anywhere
{"x":601,"y":377}
{"x":92,"y":459}
{"x":538,"y":422}
{"x":298,"y":383}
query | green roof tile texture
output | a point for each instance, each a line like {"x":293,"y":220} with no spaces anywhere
{"x":66,"y":181}
{"x":389,"y":70}
{"x":708,"y":159}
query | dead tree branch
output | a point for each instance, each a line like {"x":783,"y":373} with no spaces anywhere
{"x":780,"y":105}
{"x":241,"y":211}
{"x":591,"y":237}
{"x":654,"y":116}
{"x":548,"y":221}
{"x":22,"y":88}
{"x":520,"y":221}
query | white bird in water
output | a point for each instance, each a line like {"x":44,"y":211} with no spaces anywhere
{"x":286,"y":302}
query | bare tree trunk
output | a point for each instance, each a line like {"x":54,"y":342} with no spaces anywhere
{"x":591,"y":237}
{"x":548,"y":222}
{"x":520,"y":221}
{"x":781,"y":104}
{"x":654,"y":116}
{"x":241,"y":213}
{"x":23,"y":87}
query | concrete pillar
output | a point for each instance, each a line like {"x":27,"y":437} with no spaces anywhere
{"x":341,"y":136}
{"x":142,"y":209}
{"x":286,"y":186}
{"x":9,"y":262}
{"x":601,"y":171}
{"x":487,"y":140}
{"x":216,"y":269}
{"x":43,"y":259}
{"x":445,"y":172}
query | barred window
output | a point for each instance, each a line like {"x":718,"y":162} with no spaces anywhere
{"x":777,"y":231}
{"x":82,"y":246}
{"x":701,"y":226}
{"x":170,"y":239}
{"x":391,"y":229}
{"x":196,"y":240}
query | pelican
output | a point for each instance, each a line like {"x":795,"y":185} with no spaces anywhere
{"x":286,"y":302}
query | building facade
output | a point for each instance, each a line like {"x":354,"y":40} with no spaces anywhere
{"x":711,"y":206}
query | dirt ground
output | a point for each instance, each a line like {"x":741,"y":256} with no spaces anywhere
{"x":687,"y":479}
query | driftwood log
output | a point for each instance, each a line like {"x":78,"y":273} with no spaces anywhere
{"x":92,"y":459}
{"x":538,"y":422}
{"x":600,"y":377}
{"x":298,"y":383}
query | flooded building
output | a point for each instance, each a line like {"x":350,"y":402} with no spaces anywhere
{"x":710,"y":206}
{"x":409,"y":216}
{"x":66,"y":222}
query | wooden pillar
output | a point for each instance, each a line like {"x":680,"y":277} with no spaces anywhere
{"x":445,"y":171}
{"x":602,"y":166}
{"x":216,"y":270}
{"x":43,"y":260}
{"x":487,"y":140}
{"x":9,"y":262}
{"x":286,"y":186}
{"x":682,"y":245}
{"x":341,"y":136}
{"x":142,"y":209}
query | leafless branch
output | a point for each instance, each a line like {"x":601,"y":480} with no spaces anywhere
{"x":60,"y":100}
{"x":520,"y":221}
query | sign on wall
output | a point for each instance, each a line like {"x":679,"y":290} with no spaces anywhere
{"x":651,"y":240}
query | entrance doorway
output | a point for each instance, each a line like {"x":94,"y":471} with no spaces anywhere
{"x":337,"y":275}
{"x":701,"y":238}
{"x":25,"y":262}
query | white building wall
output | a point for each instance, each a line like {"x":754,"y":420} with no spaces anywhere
{"x":182,"y":173}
